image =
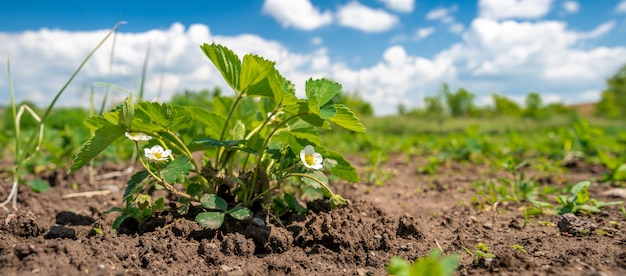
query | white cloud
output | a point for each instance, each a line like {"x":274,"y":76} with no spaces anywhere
{"x":316,"y":40}
{"x":422,"y":33}
{"x":518,"y":57}
{"x":599,"y":31}
{"x":621,"y":7}
{"x":299,"y":14}
{"x":363,"y":18}
{"x":456,"y":28}
{"x":444,"y":15}
{"x":523,"y":9}
{"x":441,"y":13}
{"x":508,"y":57}
{"x":399,"y":5}
{"x":571,"y":6}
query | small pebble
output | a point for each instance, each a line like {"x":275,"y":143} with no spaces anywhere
{"x":258,"y":222}
{"x":488,"y":225}
{"x":60,"y":231}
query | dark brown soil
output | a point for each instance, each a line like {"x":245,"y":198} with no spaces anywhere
{"x":408,"y":216}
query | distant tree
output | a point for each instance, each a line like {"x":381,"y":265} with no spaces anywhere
{"x":460,"y":103}
{"x":558,"y":108}
{"x":613,"y":98}
{"x":533,"y":108}
{"x":402,"y":109}
{"x":434,"y":106}
{"x":203,"y":97}
{"x":505,"y":106}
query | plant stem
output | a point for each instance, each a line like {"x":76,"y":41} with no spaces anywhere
{"x":168,"y":186}
{"x":314,"y":179}
{"x":262,"y":152}
{"x":228,"y":117}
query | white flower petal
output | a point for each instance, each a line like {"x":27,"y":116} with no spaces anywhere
{"x":317,"y":158}
{"x":309,"y":149}
{"x":310,"y":158}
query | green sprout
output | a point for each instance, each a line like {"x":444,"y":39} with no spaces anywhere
{"x":519,"y":247}
{"x":433,"y":264}
{"x":581,"y":201}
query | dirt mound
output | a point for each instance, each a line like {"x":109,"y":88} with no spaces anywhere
{"x":63,"y":231}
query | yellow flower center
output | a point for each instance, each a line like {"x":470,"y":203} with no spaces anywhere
{"x":157,"y":155}
{"x":308,"y":158}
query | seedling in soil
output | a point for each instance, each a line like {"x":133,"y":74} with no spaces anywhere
{"x":256,"y":143}
{"x":519,"y":247}
{"x":580,"y":201}
{"x":482,"y":255}
{"x":433,"y":264}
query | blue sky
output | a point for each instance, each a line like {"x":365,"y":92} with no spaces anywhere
{"x":392,"y":51}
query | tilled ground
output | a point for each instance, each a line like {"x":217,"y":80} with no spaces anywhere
{"x":53,"y":234}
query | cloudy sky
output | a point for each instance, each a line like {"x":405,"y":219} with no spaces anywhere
{"x":391,"y":51}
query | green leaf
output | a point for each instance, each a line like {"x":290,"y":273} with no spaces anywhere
{"x":319,"y":176}
{"x":135,"y":180}
{"x":581,"y":195}
{"x":322,"y":90}
{"x":96,"y":122}
{"x":284,"y":91}
{"x":240,"y":213}
{"x":102,"y":138}
{"x":587,"y":209}
{"x":254,"y":70}
{"x":205,"y":143}
{"x":302,"y":107}
{"x":343,"y":169}
{"x":226,"y":62}
{"x":38,"y":185}
{"x":293,"y":203}
{"x":213,"y":202}
{"x":327,"y":112}
{"x":118,"y":221}
{"x":210,"y":220}
{"x":158,"y":205}
{"x":177,"y":169}
{"x":450,"y":264}
{"x":127,"y":113}
{"x":426,"y":266}
{"x":98,"y":230}
{"x":306,"y":131}
{"x":620,"y":173}
{"x":163,"y":115}
{"x":211,"y":120}
{"x":345,"y":118}
{"x":194,"y":189}
{"x":398,"y":266}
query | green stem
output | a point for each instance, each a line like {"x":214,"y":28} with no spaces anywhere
{"x":262,"y":153}
{"x":253,"y":133}
{"x":261,"y":195}
{"x":314,"y":179}
{"x":168,"y":186}
{"x":228,"y":117}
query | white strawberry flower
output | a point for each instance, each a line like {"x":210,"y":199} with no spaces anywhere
{"x":157,"y":153}
{"x":310,"y":158}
